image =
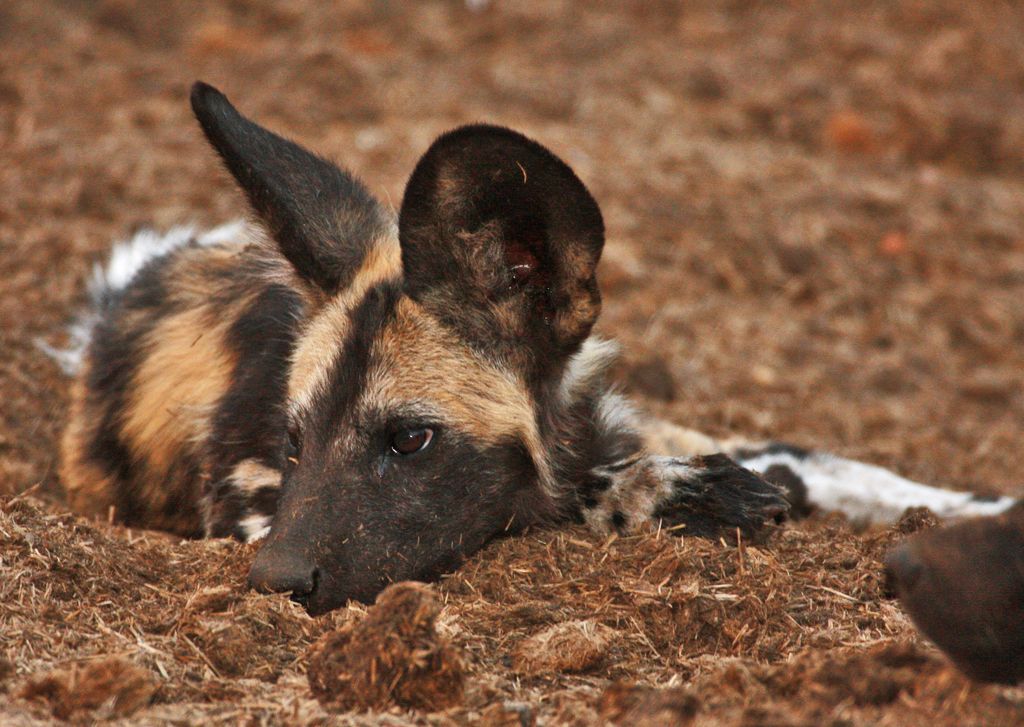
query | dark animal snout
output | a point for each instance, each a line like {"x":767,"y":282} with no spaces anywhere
{"x":283,"y":571}
{"x":903,"y":569}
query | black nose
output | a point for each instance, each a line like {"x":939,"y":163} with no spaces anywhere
{"x":283,"y":572}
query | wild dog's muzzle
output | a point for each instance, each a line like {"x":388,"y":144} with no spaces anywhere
{"x":280,"y":570}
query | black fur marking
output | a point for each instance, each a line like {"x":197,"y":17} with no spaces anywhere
{"x":264,"y":500}
{"x":230,"y":507}
{"x":250,"y":421}
{"x":107,"y":450}
{"x":113,"y":360}
{"x":773,"y":448}
{"x":322,"y":218}
{"x":590,"y":446}
{"x":724,"y":497}
{"x":492,"y":221}
{"x":618,"y":520}
{"x":984,"y":498}
{"x":793,"y":484}
{"x":347,"y":379}
{"x":589,"y":489}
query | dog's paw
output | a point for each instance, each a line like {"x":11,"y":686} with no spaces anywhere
{"x":713,"y":496}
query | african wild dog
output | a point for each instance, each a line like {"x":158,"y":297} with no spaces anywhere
{"x":384,"y":396}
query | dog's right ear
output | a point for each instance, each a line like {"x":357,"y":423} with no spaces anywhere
{"x":322,"y":218}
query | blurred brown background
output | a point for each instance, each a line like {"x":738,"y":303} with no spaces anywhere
{"x":815,"y":210}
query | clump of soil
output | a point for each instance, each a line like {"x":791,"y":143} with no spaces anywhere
{"x":876,"y":677}
{"x":392,"y":656}
{"x":508,"y":714}
{"x":914,"y":520}
{"x":573,"y":646}
{"x":632,"y":705}
{"x":114,"y":687}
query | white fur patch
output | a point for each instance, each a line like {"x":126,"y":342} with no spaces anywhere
{"x":249,"y":476}
{"x":126,"y":260}
{"x":590,"y":362}
{"x":870,"y":494}
{"x":254,"y":527}
{"x":79,"y":333}
{"x":129,"y":257}
{"x":615,"y":413}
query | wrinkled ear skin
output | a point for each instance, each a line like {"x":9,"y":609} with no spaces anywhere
{"x":322,"y":218}
{"x":500,"y":240}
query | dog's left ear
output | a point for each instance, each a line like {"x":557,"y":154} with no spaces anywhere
{"x":500,"y":240}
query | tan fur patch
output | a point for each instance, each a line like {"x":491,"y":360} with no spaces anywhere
{"x":250,"y":475}
{"x":186,"y":370}
{"x":89,"y":488}
{"x":194,"y":275}
{"x":636,"y":491}
{"x":319,"y":343}
{"x":662,"y":437}
{"x":416,"y":360}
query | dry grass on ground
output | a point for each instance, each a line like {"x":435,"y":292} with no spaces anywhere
{"x":553,"y":626}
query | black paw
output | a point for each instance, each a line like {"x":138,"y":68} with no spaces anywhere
{"x":714,"y":497}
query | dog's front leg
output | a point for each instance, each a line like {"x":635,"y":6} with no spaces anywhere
{"x":705,"y":495}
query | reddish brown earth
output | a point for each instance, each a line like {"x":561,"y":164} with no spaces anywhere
{"x":815,"y":222}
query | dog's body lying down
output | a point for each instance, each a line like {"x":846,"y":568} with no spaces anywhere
{"x":382,"y":395}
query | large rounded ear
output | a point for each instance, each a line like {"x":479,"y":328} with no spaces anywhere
{"x":322,"y":218}
{"x":500,"y":240}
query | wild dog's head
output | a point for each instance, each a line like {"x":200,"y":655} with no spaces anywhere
{"x":417,"y":385}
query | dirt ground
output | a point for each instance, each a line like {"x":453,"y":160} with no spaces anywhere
{"x":815,"y":219}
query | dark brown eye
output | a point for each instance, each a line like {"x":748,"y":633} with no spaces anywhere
{"x":521,"y":265}
{"x":293,"y":446}
{"x":411,"y":441}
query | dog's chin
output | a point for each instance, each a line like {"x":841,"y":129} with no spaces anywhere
{"x":329,"y":596}
{"x":319,"y":606}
